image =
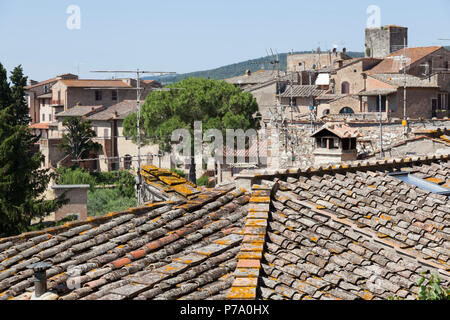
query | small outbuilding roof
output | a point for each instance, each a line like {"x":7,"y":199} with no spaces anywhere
{"x":341,"y":130}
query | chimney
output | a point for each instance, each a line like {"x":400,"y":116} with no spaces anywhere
{"x":40,"y":277}
{"x":32,"y":82}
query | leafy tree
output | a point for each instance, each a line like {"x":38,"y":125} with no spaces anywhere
{"x":77,"y":142}
{"x":217,"y":104}
{"x":22,"y":180}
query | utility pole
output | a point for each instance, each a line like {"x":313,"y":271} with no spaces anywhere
{"x":138,"y":105}
{"x":381,"y":128}
{"x":311,"y":106}
{"x":405,"y":122}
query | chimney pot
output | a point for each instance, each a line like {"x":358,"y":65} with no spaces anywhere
{"x":40,"y":277}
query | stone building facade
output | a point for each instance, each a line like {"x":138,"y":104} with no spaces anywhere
{"x":382,"y":41}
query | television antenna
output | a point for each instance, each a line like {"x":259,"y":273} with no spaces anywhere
{"x":139,"y":89}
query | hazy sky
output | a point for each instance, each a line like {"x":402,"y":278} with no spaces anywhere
{"x":184,"y":36}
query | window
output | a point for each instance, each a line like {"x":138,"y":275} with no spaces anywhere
{"x":446,"y":65}
{"x":345,"y":87}
{"x":345,"y":144}
{"x":127,"y":162}
{"x":442,"y":101}
{"x":106,"y":133}
{"x":383,"y":104}
{"x":332,"y":143}
{"x":346,"y":110}
{"x":114,"y":95}
{"x":353,"y":143}
{"x":43,"y":117}
{"x":50,"y":118}
{"x":98,"y":95}
{"x":434,"y":107}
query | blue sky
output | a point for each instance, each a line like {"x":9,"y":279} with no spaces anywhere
{"x":184,"y":36}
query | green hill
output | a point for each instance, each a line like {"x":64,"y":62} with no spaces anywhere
{"x":237,"y":69}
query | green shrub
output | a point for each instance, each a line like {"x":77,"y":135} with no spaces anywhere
{"x":179,"y":172}
{"x":74,"y":175}
{"x":203,"y":181}
{"x":103,"y":201}
{"x":124,"y":180}
{"x":432,"y":290}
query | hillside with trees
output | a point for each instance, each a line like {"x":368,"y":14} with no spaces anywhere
{"x":236,"y":69}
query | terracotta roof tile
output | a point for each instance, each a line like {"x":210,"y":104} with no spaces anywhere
{"x":298,"y":244}
{"x":391,"y":64}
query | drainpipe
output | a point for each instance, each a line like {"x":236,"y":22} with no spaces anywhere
{"x":40,"y":277}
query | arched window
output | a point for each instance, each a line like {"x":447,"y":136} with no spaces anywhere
{"x":345,"y":87}
{"x":347,"y":110}
{"x":127,"y":162}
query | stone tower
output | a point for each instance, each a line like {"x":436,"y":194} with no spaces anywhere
{"x":382,"y":41}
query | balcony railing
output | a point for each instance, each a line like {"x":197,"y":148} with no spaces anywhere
{"x":56,"y":103}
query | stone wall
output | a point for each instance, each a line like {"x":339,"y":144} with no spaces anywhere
{"x":77,"y":195}
{"x":300,"y":152}
{"x":385,"y":40}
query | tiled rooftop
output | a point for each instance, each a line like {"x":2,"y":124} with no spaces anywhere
{"x":344,"y":232}
{"x":355,"y":235}
{"x":302,"y":91}
{"x":391,"y":65}
{"x":79,"y":111}
{"x":118,"y":111}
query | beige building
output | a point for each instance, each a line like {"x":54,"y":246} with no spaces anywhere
{"x":39,"y":95}
{"x":316,"y":60}
{"x":118,"y":151}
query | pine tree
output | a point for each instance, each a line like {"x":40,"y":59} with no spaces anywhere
{"x":22,"y":180}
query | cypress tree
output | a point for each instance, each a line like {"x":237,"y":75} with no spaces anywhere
{"x":22,"y":180}
{"x":5,"y":90}
{"x":20,"y":110}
